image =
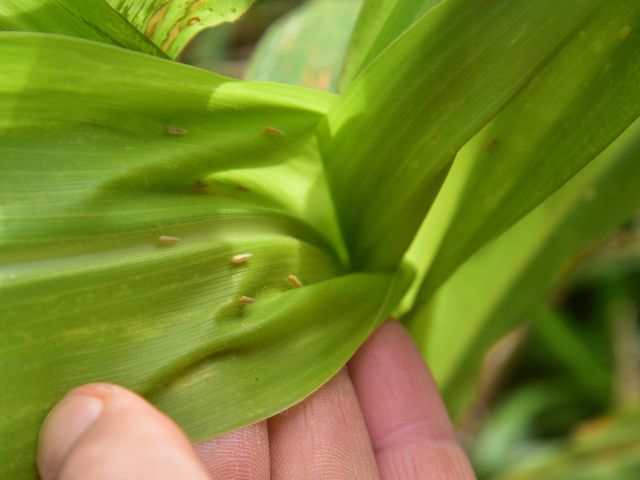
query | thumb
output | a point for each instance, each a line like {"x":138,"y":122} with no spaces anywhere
{"x":104,"y":432}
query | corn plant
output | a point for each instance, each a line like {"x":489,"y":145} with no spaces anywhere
{"x":224,"y":246}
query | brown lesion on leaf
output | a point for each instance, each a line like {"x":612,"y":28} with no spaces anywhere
{"x":156,"y":19}
{"x":175,"y":30}
{"x":197,"y":4}
{"x":201,"y":186}
{"x":175,"y":131}
{"x":273,"y":131}
{"x":493,"y":143}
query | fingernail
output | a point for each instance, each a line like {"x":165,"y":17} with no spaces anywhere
{"x":64,"y":425}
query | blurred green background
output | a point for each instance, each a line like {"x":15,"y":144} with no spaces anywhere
{"x":560,"y":395}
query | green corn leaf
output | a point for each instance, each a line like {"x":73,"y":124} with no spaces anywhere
{"x":171,"y":24}
{"x":307,"y":46}
{"x":120,"y":212}
{"x":570,"y":112}
{"x":90,"y":19}
{"x":380,"y":22}
{"x":488,"y":294}
{"x":389,"y":141}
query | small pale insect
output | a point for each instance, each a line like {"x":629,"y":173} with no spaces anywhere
{"x":274,"y":132}
{"x":245,"y":300}
{"x":167,"y":240}
{"x":175,"y":131}
{"x":240,"y":259}
{"x":193,"y":21}
{"x":294,"y":281}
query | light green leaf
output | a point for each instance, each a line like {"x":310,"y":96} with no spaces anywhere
{"x":171,"y":24}
{"x":380,"y":22}
{"x":389,"y":141}
{"x":293,"y":344}
{"x":492,"y":290}
{"x":307,"y":46}
{"x":119,"y":216}
{"x":89,"y":19}
{"x":574,"y":108}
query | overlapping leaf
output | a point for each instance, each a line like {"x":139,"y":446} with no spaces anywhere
{"x":388,"y":143}
{"x":171,"y":24}
{"x":570,"y":112}
{"x":486,"y":296}
{"x":379,"y":24}
{"x":90,"y":19}
{"x":307,"y":46}
{"x":105,"y":151}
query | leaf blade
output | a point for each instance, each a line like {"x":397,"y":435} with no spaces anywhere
{"x":384,"y":175}
{"x":307,"y":46}
{"x":88,"y":19}
{"x":488,"y":294}
{"x":171,"y":25}
{"x":583,"y":99}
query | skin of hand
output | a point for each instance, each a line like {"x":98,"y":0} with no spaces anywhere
{"x":381,"y":417}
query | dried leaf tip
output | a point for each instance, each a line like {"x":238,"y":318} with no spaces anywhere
{"x":294,"y":281}
{"x":242,"y":258}
{"x":274,"y":132}
{"x":167,"y":240}
{"x":245,"y":300}
{"x":175,"y":131}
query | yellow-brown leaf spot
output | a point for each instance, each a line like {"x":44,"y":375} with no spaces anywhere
{"x":173,"y":33}
{"x":175,"y":131}
{"x":195,"y":5}
{"x":156,"y":19}
{"x":492,"y":144}
{"x":201,"y":186}
{"x":167,"y":240}
{"x":294,"y":281}
{"x":241,"y":258}
{"x":274,"y":132}
{"x":245,"y":300}
{"x":193,"y":21}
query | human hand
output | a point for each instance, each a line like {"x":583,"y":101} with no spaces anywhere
{"x":381,"y":417}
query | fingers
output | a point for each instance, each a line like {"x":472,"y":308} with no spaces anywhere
{"x":409,"y":427}
{"x":324,"y":437}
{"x":239,"y":455}
{"x":105,"y":432}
